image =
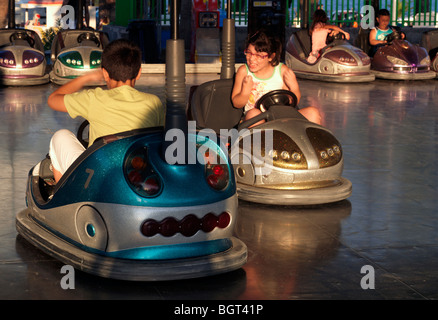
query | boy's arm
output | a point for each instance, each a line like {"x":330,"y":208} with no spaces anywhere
{"x":290,"y":80}
{"x":242,"y":88}
{"x":373,"y":40}
{"x":56,"y":98}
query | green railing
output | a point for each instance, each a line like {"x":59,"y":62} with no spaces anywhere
{"x":345,"y":13}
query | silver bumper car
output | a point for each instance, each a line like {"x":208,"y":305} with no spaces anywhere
{"x":22,"y":60}
{"x":76,"y":52}
{"x":286,"y":160}
{"x":339,"y":61}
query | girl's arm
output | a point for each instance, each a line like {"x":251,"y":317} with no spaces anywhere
{"x":242,"y":88}
{"x":290,"y":81}
{"x":336,"y":28}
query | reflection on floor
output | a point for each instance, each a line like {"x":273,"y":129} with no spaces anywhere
{"x":389,"y":133}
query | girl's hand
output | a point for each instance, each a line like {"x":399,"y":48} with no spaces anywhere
{"x":247,"y":84}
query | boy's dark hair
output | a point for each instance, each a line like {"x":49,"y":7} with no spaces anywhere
{"x":121,"y":58}
{"x":264,"y":41}
{"x":382,"y":12}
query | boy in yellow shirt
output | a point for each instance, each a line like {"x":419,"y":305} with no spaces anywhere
{"x":119,"y":108}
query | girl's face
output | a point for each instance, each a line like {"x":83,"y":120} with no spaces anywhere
{"x":257,"y":61}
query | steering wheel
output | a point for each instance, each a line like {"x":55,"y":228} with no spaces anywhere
{"x":272,"y":99}
{"x":394,"y":35}
{"x":88,"y":36}
{"x":80,"y":134}
{"x":22,"y":35}
{"x":339,"y":36}
{"x":281,"y":97}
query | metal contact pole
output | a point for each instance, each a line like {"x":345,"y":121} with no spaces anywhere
{"x":175,"y":83}
{"x":228,"y":45}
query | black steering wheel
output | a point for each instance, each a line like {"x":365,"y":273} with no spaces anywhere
{"x":271,"y":100}
{"x":22,"y":35}
{"x":333,"y":37}
{"x":80,"y":134}
{"x":88,"y":36}
{"x":394,"y":35}
{"x":281,"y":97}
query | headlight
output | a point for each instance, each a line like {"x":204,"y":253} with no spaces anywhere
{"x":7,"y":59}
{"x":425,"y":61}
{"x":32,"y":59}
{"x":397,"y":61}
{"x":326,"y":146}
{"x":72,"y":59}
{"x":286,"y":153}
{"x":95,"y":59}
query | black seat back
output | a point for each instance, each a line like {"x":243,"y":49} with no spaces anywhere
{"x":211,"y":106}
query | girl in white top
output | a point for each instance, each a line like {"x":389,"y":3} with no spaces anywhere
{"x":262,"y":73}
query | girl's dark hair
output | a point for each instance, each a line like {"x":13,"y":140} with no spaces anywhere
{"x":122,"y":60}
{"x":264,"y":41}
{"x":319,"y":16}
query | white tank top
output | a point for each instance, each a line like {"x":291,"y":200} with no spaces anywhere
{"x":263,"y":86}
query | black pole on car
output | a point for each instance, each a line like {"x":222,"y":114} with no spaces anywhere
{"x":11,"y":11}
{"x":175,"y":88}
{"x":80,"y":15}
{"x":228,"y":45}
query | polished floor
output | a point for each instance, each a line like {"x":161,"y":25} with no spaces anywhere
{"x":381,"y":243}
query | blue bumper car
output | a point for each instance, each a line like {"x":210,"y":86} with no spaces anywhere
{"x":121,"y":211}
{"x":127,"y":209}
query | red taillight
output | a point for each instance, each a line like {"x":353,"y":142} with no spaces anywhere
{"x":140,"y":175}
{"x":169,"y":227}
{"x":188,"y":226}
{"x":217,"y":176}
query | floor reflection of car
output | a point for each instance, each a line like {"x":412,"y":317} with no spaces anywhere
{"x":289,"y":241}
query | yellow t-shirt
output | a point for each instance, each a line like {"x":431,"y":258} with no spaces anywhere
{"x":116,"y":110}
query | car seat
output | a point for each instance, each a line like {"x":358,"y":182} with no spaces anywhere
{"x":429,"y":40}
{"x":363,"y":40}
{"x":211,"y":106}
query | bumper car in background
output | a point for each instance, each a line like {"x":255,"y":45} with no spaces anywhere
{"x":399,"y":59}
{"x":22,"y":59}
{"x":429,"y":41}
{"x":339,"y":61}
{"x":76,"y":52}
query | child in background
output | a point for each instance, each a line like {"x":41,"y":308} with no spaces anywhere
{"x":262,"y":73}
{"x":379,"y":33}
{"x":319,"y":30}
